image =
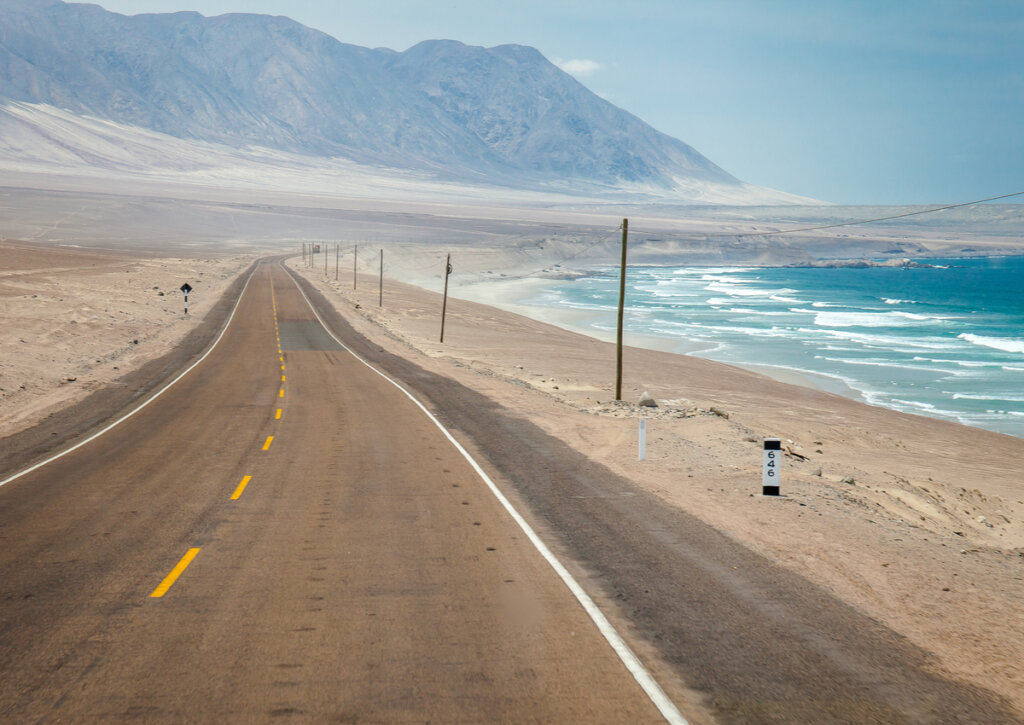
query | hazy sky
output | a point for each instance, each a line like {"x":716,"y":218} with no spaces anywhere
{"x":865,"y":101}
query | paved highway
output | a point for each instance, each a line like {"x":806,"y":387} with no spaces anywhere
{"x":284,"y":534}
{"x":344,"y":561}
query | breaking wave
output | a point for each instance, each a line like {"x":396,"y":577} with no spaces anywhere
{"x":1005,"y":344}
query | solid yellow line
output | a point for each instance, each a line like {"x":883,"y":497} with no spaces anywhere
{"x":241,"y":487}
{"x":270,"y":439}
{"x":278,"y":415}
{"x":175,"y":573}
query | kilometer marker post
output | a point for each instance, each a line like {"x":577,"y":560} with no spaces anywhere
{"x":771,"y":469}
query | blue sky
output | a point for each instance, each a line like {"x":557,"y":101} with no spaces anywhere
{"x":859,"y":102}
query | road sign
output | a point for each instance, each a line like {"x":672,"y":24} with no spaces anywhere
{"x":186,"y":288}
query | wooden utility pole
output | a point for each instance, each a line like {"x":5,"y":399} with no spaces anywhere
{"x":355,"y":264}
{"x":380,"y":296}
{"x":326,"y":273}
{"x":444,"y":304}
{"x":622,"y":306}
{"x":303,"y":252}
{"x":337,"y":255}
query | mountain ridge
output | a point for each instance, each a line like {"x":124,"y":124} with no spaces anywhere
{"x":500,"y":115}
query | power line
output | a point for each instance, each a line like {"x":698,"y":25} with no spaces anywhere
{"x":869,"y":221}
{"x":556,"y":262}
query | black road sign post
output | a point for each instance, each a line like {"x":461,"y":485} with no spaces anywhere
{"x":186,"y":288}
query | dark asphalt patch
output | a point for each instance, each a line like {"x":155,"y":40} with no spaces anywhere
{"x":306,"y":335}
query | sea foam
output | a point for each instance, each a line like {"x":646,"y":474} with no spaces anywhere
{"x":1005,"y":344}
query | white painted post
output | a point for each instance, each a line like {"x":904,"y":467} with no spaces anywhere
{"x":772,"y":467}
{"x":642,"y":455}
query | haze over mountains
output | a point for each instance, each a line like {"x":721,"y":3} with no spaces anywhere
{"x":253,"y":84}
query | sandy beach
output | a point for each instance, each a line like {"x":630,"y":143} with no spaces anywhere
{"x":915,"y":522}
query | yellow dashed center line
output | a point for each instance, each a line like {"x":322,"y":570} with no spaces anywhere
{"x":241,"y":487}
{"x":175,"y":573}
{"x":277,"y":416}
{"x":281,"y":395}
{"x":266,"y":446}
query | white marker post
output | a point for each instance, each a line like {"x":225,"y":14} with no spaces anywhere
{"x":772,"y":464}
{"x":186,"y":288}
{"x":642,"y":453}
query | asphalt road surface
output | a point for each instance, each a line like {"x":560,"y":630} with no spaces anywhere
{"x":284,"y":535}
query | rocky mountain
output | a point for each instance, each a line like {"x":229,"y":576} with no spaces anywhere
{"x":502,"y":115}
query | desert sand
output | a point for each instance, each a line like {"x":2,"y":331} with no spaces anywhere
{"x":75,"y":320}
{"x":916,"y":522}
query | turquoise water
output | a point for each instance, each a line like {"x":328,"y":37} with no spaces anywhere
{"x":946,"y":342}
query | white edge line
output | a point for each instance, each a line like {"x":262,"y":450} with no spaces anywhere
{"x":149,"y":400}
{"x":643,"y":678}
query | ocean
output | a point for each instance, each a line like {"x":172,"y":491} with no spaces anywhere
{"x":945,"y":341}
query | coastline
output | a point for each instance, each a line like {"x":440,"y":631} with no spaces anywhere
{"x":504,"y":297}
{"x":525,"y":296}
